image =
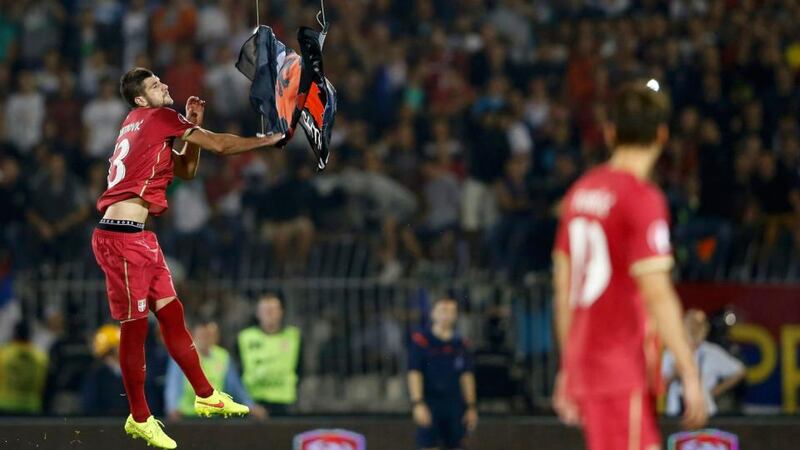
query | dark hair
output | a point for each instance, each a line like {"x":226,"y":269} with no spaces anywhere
{"x":444,"y":299}
{"x":636,"y":112}
{"x":202,"y":320}
{"x":272,"y":295}
{"x":130,"y":85}
{"x":22,"y":331}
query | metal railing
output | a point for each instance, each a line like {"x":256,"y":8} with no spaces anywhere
{"x":355,"y":330}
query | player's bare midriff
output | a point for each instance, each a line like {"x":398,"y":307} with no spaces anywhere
{"x":134,"y":208}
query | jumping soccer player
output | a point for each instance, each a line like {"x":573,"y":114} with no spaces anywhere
{"x":612,"y":262}
{"x":154,"y":143}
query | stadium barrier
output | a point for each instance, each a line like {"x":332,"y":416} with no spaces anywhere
{"x":354,"y":331}
{"x":388,"y":433}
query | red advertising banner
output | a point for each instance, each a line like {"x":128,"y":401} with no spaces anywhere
{"x":768,"y":332}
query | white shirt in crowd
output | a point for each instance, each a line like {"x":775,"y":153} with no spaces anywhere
{"x":714,"y":364}
{"x":24,"y":117}
{"x":102,"y":118}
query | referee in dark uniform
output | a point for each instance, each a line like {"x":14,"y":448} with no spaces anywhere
{"x":441,"y":382}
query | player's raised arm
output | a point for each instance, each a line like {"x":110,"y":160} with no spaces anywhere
{"x":187,"y":160}
{"x":224,"y":144}
{"x":665,"y":309}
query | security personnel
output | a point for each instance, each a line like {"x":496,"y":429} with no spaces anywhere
{"x":441,"y":381}
{"x":179,"y":396}
{"x":23,"y":370}
{"x":102,"y":390}
{"x":270,"y":354}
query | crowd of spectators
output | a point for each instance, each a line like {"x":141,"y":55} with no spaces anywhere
{"x":460,"y":124}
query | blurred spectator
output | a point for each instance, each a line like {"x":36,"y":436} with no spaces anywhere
{"x":212,"y":23}
{"x":57,"y":208}
{"x":23,"y":369}
{"x":271,"y":354}
{"x":101,"y":120}
{"x":228,"y":89}
{"x":719,"y":371}
{"x":487,"y":156}
{"x":134,"y":32}
{"x":13,"y":202}
{"x":377,"y":202}
{"x":40,"y":28}
{"x":777,"y":192}
{"x":185,"y":75}
{"x":70,"y":357}
{"x":24,"y":114}
{"x":287,"y":207}
{"x":179,"y":396}
{"x":439,"y":224}
{"x":173,"y":22}
{"x":65,"y":111}
{"x":441,"y":382}
{"x":103,"y":393}
{"x":94,"y":69}
{"x":190,"y":237}
{"x":9,"y":41}
{"x":47,"y":77}
{"x":510,"y":237}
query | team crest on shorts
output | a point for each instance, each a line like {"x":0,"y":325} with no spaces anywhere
{"x":329,"y":440}
{"x":703,"y":440}
{"x":141,"y":305}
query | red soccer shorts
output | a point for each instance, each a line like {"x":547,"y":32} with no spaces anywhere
{"x":136,"y":272}
{"x":625,"y":421}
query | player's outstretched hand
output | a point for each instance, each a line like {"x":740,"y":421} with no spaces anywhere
{"x":563,"y":404}
{"x":695,"y":413}
{"x":195,"y":109}
{"x":271,"y":140}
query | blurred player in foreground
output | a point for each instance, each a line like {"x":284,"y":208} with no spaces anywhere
{"x":154,"y":143}
{"x":612,"y":262}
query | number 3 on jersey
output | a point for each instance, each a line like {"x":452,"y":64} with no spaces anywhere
{"x":116,"y":172}
{"x":591,"y":266}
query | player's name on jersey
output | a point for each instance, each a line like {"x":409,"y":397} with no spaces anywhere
{"x":131,"y":127}
{"x":596,"y":202}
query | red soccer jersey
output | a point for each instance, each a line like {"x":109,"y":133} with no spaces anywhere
{"x":141,"y":165}
{"x":613,"y":227}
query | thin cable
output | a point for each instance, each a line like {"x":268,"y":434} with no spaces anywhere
{"x":258,"y":25}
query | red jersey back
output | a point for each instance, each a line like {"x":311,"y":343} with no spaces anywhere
{"x":613,"y":228}
{"x":141,"y":165}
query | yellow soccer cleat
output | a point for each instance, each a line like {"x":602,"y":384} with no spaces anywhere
{"x":220,"y":404}
{"x":150,"y":431}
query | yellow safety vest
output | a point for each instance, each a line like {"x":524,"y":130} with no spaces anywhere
{"x":215,"y":366}
{"x":23,"y":370}
{"x":269,"y":364}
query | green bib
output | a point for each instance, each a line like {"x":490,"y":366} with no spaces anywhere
{"x":269,"y":364}
{"x":215,"y":366}
{"x":23,"y":370}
